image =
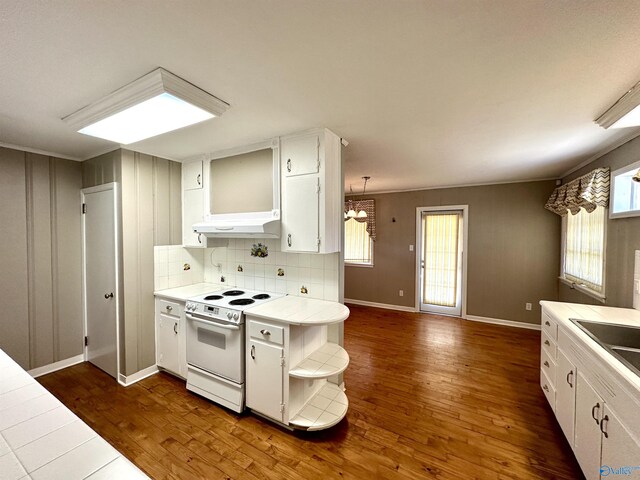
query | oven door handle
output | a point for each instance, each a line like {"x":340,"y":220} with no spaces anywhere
{"x":212,"y":323}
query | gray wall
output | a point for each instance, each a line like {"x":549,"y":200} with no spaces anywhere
{"x":623,"y":238}
{"x":513,"y":251}
{"x":40,"y":253}
{"x":150,"y":196}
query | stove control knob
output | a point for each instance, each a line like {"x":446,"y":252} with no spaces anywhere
{"x":236,"y":316}
{"x":229,"y":315}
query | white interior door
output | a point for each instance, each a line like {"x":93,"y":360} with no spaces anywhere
{"x":99,"y":234}
{"x":440,"y":261}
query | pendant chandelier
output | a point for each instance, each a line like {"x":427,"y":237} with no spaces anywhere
{"x":352,"y":213}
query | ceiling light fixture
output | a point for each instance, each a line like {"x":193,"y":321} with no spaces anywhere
{"x":156,"y":103}
{"x":362,"y":213}
{"x":625,"y":112}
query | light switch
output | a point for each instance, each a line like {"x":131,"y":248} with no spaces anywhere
{"x":411,"y":248}
{"x":636,"y":286}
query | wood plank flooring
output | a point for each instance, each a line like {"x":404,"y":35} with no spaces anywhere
{"x":430,"y":397}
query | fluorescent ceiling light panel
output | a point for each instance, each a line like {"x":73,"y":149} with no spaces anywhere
{"x":624,"y":113}
{"x":157,"y":103}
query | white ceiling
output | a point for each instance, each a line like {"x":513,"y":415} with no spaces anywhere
{"x":428,"y":93}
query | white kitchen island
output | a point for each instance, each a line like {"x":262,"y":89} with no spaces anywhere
{"x":40,"y":438}
{"x":291,"y":367}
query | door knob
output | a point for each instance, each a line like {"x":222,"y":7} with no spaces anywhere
{"x":108,"y":295}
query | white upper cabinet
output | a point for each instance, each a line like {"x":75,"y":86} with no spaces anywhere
{"x":301,"y":155}
{"x":192,"y":176}
{"x":311,"y":168}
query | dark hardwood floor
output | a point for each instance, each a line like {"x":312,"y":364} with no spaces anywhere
{"x":430,"y":397}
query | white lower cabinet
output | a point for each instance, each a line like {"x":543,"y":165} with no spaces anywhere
{"x":596,"y":413}
{"x":288,"y":367}
{"x":171,"y":352}
{"x":566,"y":395}
{"x":265,"y":375}
{"x":587,"y":445}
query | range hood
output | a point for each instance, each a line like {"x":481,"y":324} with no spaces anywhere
{"x":241,"y":225}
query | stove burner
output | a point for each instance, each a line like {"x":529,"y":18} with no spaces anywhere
{"x":241,"y":301}
{"x":261,"y":296}
{"x":232,"y":293}
{"x":213,"y":297}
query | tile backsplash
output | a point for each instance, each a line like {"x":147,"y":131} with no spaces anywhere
{"x":176,"y":266}
{"x":300,"y":274}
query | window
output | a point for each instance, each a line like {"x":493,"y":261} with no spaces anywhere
{"x":625,"y":193}
{"x":358,"y":245}
{"x":583,"y":263}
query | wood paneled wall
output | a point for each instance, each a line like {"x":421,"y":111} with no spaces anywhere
{"x":40,"y":255}
{"x":150,"y":196}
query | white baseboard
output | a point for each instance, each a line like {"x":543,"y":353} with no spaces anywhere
{"x":507,"y":323}
{"x":127,"y":380}
{"x":387,"y":306}
{"x":54,"y":367}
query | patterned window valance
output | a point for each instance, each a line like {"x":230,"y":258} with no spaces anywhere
{"x":368,"y":206}
{"x":589,"y":191}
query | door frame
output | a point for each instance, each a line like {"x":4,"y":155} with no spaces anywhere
{"x":116,"y":222}
{"x":465,"y":238}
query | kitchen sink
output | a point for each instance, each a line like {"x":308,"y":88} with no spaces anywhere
{"x":622,"y":341}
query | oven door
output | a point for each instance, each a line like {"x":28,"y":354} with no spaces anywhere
{"x":216,"y":346}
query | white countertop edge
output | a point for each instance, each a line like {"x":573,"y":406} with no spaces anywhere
{"x":294,"y":310}
{"x":188,"y":291}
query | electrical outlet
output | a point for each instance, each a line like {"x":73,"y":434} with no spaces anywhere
{"x":527,"y":306}
{"x":401,"y":293}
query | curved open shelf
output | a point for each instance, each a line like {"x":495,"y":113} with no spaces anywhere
{"x":328,"y":360}
{"x":325,"y":409}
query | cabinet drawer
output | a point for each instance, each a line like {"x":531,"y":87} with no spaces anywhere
{"x":169,"y":307}
{"x":266,"y":332}
{"x":548,"y":366}
{"x":548,"y":389}
{"x":548,"y":344}
{"x":549,"y":326}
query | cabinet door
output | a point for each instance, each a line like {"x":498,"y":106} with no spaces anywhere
{"x":301,"y":205}
{"x":619,"y":448}
{"x":300,"y":155}
{"x":265,"y":379}
{"x":192,"y":176}
{"x":192,"y":212}
{"x":589,"y":412}
{"x":566,"y":395}
{"x":167,"y":342}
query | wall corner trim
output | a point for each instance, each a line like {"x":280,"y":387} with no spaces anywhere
{"x":387,"y":306}
{"x":506,"y":323}
{"x":54,"y":367}
{"x":128,"y":380}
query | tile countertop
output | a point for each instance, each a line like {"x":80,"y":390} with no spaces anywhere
{"x":40,"y":438}
{"x":182,"y":293}
{"x":563,"y":312}
{"x":300,"y":311}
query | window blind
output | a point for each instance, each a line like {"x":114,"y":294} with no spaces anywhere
{"x":584,"y":248}
{"x":441,"y":259}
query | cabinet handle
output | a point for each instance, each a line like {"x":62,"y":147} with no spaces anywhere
{"x":108,"y":295}
{"x":546,"y":322}
{"x":546,"y":342}
{"x":593,"y":413}
{"x":602,"y":424}
{"x":253,"y":352}
{"x":265,"y":332}
{"x":175,"y":328}
{"x":289,"y":165}
{"x":546,"y":364}
{"x":570,"y":374}
{"x":199,"y":240}
{"x":198,"y":179}
{"x":545,"y":388}
{"x":169,"y":307}
{"x":289,"y":239}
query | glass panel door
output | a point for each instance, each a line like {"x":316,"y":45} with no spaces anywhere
{"x":441,"y":262}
